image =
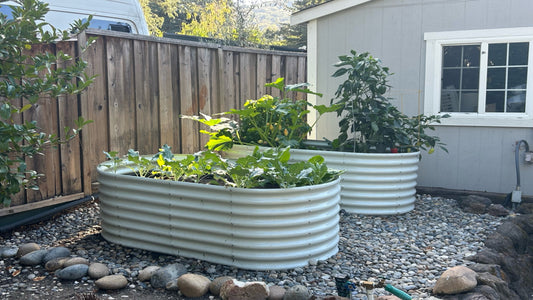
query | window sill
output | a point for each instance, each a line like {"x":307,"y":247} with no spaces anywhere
{"x":490,"y":120}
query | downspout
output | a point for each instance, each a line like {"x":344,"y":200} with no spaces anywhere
{"x":46,"y":214}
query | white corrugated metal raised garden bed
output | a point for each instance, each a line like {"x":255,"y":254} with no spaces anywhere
{"x":258,"y":229}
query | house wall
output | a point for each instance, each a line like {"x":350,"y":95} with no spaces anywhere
{"x":480,"y":158}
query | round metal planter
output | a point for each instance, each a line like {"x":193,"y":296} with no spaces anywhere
{"x":373,"y":183}
{"x":258,"y":229}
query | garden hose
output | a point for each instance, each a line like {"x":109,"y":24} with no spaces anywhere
{"x":398,"y":293}
{"x":345,"y":287}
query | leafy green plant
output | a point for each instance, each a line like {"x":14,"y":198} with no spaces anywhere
{"x":267,"y":121}
{"x":261,"y":169}
{"x":368,"y":121}
{"x":24,"y":79}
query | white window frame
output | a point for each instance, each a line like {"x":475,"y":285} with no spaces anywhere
{"x":432,"y":94}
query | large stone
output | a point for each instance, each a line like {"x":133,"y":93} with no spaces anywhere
{"x":55,"y":264}
{"x":516,"y":234}
{"x":238,"y":290}
{"x":27,"y":248}
{"x":146,"y":273}
{"x":10,"y":251}
{"x":111,"y":282}
{"x":475,"y":204}
{"x":70,"y":261}
{"x":276,"y":292}
{"x":497,"y":210}
{"x":56,"y":252}
{"x":98,"y":270}
{"x":216,"y":284}
{"x":161,"y":277}
{"x":455,"y":280}
{"x":499,"y":285}
{"x":492,"y":269}
{"x":487,"y":256}
{"x":500,"y":244}
{"x":481,"y":292}
{"x":297,"y":292}
{"x":193,"y":285}
{"x":33,"y":258}
{"x":73,"y":272}
{"x":525,"y":222}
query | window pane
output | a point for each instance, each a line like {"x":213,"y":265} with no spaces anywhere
{"x":496,"y":78}
{"x":451,"y":56}
{"x":471,"y":56}
{"x":517,"y":78}
{"x":469,"y":101}
{"x":449,"y":101}
{"x":471,"y":79}
{"x":518,"y":53}
{"x":451,"y":79}
{"x":495,"y":102}
{"x":497,"y":54}
{"x":516,"y":101}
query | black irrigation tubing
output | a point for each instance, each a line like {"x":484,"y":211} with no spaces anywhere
{"x":32,"y":219}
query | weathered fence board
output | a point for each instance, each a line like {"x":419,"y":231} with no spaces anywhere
{"x":146,"y":95}
{"x":142,"y":87}
{"x":70,"y":152}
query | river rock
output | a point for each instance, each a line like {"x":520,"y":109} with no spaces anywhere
{"x":297,"y":292}
{"x":33,"y":258}
{"x":216,"y":284}
{"x":73,"y":272}
{"x":56,"y":252}
{"x":238,"y":290}
{"x":172,"y":285}
{"x":98,"y":270}
{"x":27,"y":248}
{"x":146,"y":273}
{"x":112,"y":282}
{"x":55,"y":264}
{"x":193,"y":285}
{"x":161,"y":277}
{"x":70,"y":261}
{"x":8,"y":252}
{"x":276,"y":292}
{"x":455,"y":280}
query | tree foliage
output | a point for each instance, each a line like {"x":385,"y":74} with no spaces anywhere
{"x":24,"y":79}
{"x":228,"y":20}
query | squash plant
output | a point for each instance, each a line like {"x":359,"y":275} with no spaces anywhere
{"x":261,"y":169}
{"x":268,"y":121}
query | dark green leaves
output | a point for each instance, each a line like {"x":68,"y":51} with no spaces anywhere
{"x":368,"y":121}
{"x":26,"y":76}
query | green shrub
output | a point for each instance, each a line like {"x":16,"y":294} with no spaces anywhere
{"x":29,"y":78}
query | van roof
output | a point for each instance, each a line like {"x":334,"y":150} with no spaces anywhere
{"x":63,"y":12}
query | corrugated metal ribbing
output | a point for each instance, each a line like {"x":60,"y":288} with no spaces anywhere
{"x":248,"y":228}
{"x":373,"y":183}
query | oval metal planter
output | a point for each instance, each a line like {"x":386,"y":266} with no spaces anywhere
{"x":372,"y":184}
{"x":260,"y":229}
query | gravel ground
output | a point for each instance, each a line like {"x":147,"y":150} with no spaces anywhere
{"x":410,"y":251}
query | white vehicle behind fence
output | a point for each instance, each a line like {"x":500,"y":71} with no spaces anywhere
{"x":116,"y":15}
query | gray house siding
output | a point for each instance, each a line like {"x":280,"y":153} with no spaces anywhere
{"x":480,"y":158}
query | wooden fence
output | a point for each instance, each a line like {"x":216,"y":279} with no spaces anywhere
{"x":143,"y":85}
